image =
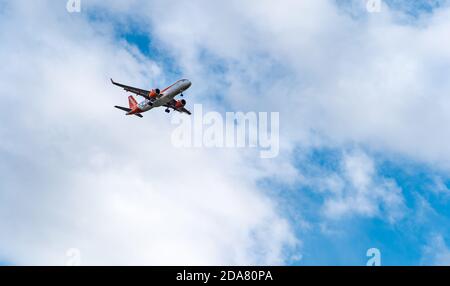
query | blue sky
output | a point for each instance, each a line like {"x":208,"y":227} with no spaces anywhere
{"x":400,"y":244}
{"x":363,"y":161}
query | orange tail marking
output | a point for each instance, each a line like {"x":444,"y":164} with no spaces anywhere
{"x":132,"y":102}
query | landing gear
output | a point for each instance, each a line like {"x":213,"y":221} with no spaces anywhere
{"x":181,"y":94}
{"x":167,"y":110}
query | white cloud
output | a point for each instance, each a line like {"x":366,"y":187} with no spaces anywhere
{"x":76,"y":173}
{"x":372,"y":80}
{"x":436,"y":252}
{"x":439,"y":187}
{"x":336,"y":80}
{"x":361,"y":191}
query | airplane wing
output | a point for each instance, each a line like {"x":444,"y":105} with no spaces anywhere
{"x":172,"y":105}
{"x":184,"y":110}
{"x":141,"y":92}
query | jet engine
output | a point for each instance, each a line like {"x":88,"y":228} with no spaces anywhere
{"x":180,"y":103}
{"x":154,"y":93}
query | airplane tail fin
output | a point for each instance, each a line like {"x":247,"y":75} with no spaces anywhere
{"x":132,"y":102}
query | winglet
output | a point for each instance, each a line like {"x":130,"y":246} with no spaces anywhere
{"x":112,"y":81}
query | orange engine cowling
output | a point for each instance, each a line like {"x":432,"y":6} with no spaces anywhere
{"x":180,"y":103}
{"x":153,"y":93}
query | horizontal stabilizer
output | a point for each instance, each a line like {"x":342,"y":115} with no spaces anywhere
{"x":128,"y":110}
{"x":123,"y":108}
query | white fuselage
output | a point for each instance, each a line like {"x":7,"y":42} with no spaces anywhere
{"x":165,"y":96}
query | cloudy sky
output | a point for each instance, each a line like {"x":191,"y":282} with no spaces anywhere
{"x":363,"y":99}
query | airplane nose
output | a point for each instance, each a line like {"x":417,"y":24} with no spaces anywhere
{"x":188,"y":84}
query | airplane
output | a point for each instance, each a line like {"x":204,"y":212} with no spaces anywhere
{"x":155,"y":98}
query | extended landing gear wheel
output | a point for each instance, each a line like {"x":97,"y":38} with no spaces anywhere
{"x":167,"y":110}
{"x":181,"y":94}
